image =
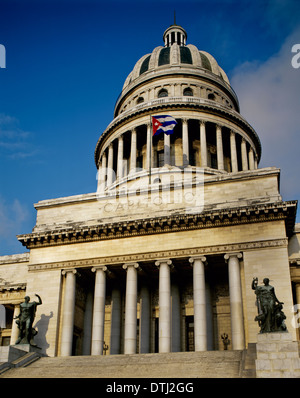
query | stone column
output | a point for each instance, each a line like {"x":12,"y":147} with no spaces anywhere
{"x":164,"y":305}
{"x":115,"y":333}
{"x":120,"y":157}
{"x":130,"y":308}
{"x":233,"y":153}
{"x":68,"y":313}
{"x":220,"y":156}
{"x":87,"y":325}
{"x":99,"y":310}
{"x":167,"y":150}
{"x":203,"y":144}
{"x":185,"y":143}
{"x":133,"y":152}
{"x":251,"y":159}
{"x":244,"y":155}
{"x":236,"y":301}
{"x":145,"y":316}
{"x":14,"y":329}
{"x":200,"y":327}
{"x":149,"y":144}
{"x":102,"y":173}
{"x":110,"y":170}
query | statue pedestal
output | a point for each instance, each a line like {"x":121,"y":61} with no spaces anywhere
{"x":277,"y":356}
{"x":12,"y":352}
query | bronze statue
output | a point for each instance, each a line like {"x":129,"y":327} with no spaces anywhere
{"x":25,"y":321}
{"x":270,"y":315}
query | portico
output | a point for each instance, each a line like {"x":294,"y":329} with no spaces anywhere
{"x":125,"y":318}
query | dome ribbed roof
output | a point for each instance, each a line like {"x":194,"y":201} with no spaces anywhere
{"x":175,"y":53}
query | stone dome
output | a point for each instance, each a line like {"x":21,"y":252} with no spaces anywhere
{"x":175,"y":58}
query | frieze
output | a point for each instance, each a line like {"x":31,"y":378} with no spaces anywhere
{"x":153,"y":256}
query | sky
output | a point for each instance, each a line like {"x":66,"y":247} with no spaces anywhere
{"x":66,"y":63}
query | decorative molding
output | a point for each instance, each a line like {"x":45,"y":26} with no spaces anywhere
{"x":161,"y":255}
{"x":164,"y":224}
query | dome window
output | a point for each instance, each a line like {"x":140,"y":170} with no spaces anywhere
{"x":162,"y":93}
{"x":140,"y":100}
{"x":205,"y":62}
{"x":211,"y":96}
{"x":185,"y":55}
{"x":145,"y":65}
{"x":164,"y":56}
{"x":188,"y":92}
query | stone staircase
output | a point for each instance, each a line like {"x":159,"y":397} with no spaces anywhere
{"x":216,"y":364}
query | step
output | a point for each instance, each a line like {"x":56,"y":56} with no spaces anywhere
{"x":225,"y":364}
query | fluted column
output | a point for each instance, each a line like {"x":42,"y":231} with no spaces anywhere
{"x":199,"y":292}
{"x":203,"y":144}
{"x":244,"y":155}
{"x":233,"y":153}
{"x":251,"y":159}
{"x":130,"y":308}
{"x":133,"y":151}
{"x":220,"y":155}
{"x":236,"y":301}
{"x":164,"y":305}
{"x":167,"y":150}
{"x":185,"y":143}
{"x":99,"y":310}
{"x":68,"y":313}
{"x":110,"y":170}
{"x":102,"y":173}
{"x":120,"y":157}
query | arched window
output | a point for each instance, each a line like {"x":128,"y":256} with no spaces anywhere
{"x":162,"y":93}
{"x":140,"y":100}
{"x":188,"y":92}
{"x":211,"y":96}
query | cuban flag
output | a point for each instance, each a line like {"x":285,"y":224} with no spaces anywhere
{"x":163,"y":123}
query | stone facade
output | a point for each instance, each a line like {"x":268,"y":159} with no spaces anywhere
{"x":161,"y":257}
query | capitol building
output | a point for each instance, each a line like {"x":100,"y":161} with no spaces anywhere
{"x":161,"y":257}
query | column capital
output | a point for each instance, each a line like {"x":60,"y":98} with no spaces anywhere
{"x":163,"y":260}
{"x":201,"y":258}
{"x":184,"y":119}
{"x":219,"y":126}
{"x":234,"y":254}
{"x":202,"y":122}
{"x":99,"y":267}
{"x":127,"y":265}
{"x":232,"y":132}
{"x":65,"y":271}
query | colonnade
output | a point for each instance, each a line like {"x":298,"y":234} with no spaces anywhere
{"x":166,"y":307}
{"x":107,"y":174}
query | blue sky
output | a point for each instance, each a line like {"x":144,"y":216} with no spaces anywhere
{"x":67,"y":60}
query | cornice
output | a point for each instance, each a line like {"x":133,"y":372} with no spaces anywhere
{"x":164,"y":224}
{"x":155,"y":255}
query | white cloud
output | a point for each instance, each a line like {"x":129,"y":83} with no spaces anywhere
{"x":12,"y":217}
{"x":14,"y":142}
{"x":269,"y":95}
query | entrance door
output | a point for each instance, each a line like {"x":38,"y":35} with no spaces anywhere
{"x":189,"y":325}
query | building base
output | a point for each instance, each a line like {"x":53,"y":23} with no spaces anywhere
{"x":277,"y":356}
